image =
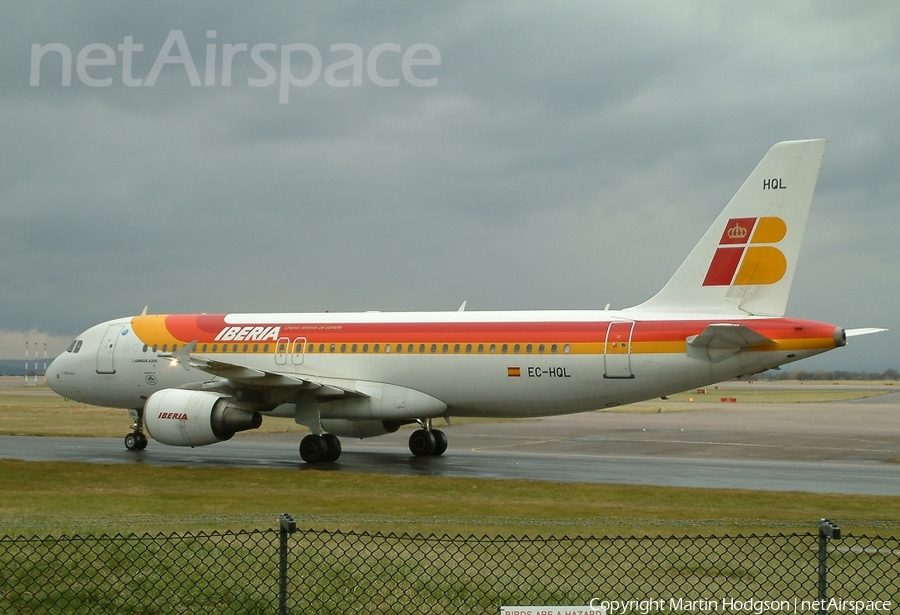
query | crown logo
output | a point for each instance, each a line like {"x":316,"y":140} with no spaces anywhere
{"x":737,"y":231}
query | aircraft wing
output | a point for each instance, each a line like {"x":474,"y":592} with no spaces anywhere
{"x":253,"y":378}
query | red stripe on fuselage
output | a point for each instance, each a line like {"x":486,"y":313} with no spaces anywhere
{"x":204,"y":328}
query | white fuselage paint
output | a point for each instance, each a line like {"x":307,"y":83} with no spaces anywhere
{"x":469,"y":384}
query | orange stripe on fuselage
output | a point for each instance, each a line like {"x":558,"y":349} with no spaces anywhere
{"x":668,"y":336}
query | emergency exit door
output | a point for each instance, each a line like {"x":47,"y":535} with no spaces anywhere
{"x":617,"y":350}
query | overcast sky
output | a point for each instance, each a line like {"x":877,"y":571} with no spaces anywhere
{"x":568,"y":155}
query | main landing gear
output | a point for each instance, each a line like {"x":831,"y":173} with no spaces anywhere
{"x":136,"y":440}
{"x":427,"y":442}
{"x":326,"y":447}
{"x":316,"y":448}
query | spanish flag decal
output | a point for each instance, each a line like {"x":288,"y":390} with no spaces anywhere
{"x":737,"y":263}
{"x":514,"y":372}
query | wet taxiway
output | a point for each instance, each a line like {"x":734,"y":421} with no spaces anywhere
{"x":836,"y":447}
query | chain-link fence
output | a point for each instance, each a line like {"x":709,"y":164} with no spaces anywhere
{"x":344,"y":572}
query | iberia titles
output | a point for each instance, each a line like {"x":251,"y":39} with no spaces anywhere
{"x":251,"y":334}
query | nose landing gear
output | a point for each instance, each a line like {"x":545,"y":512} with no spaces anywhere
{"x":136,"y":440}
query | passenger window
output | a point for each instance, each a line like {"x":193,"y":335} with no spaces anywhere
{"x":553,"y":348}
{"x":331,"y":348}
{"x":505,"y":348}
{"x":387,"y":347}
{"x":399,"y":347}
{"x":445,"y":348}
{"x":541,"y":349}
{"x":516,"y":349}
{"x":421,"y":348}
{"x":165,"y":348}
{"x":456,"y":348}
{"x":343,"y":347}
{"x":468,"y":347}
{"x":493,"y":348}
{"x":480,"y":348}
{"x":321,"y":347}
{"x":145,"y":348}
{"x":224,"y":347}
{"x":433,"y":348}
{"x":215,"y":347}
{"x":255,"y":347}
{"x":174,"y":347}
{"x":353,"y":348}
{"x":528,"y":348}
{"x":365,"y":348}
{"x":566,"y":349}
{"x":377,"y":348}
{"x":409,"y":348}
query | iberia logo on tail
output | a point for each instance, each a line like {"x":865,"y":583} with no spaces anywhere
{"x":743,"y":256}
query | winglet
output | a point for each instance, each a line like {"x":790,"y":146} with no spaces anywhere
{"x":745,"y":262}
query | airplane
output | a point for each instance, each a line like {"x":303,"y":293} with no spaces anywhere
{"x":198,"y":379}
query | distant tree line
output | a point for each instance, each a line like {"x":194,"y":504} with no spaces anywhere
{"x":821,"y":374}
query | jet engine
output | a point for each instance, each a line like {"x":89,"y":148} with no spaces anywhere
{"x":195,"y":418}
{"x":360,"y":429}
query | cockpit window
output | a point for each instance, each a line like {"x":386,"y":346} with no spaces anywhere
{"x":74,"y":347}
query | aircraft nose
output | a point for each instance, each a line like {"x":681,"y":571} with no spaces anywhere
{"x":56,"y":375}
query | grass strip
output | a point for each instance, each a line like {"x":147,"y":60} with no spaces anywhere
{"x":41,"y":498}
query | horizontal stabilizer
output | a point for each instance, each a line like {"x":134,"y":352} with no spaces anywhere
{"x":728,"y":336}
{"x":863,"y":331}
{"x":720,"y":341}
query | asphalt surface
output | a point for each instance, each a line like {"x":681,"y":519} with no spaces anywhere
{"x":837,"y":447}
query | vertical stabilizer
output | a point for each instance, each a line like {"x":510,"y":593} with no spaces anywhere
{"x":745,"y":262}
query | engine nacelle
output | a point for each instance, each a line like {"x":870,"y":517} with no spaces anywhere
{"x":360,"y":429}
{"x":195,"y":418}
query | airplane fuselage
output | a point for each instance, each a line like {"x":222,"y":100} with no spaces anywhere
{"x":514,"y":364}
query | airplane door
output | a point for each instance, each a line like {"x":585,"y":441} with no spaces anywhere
{"x":107,"y":350}
{"x":281,"y":350}
{"x":617,"y":350}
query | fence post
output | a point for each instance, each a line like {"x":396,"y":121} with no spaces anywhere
{"x":288,"y":526}
{"x":827,"y":530}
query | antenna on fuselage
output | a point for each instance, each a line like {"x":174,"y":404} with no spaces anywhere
{"x":144,"y":311}
{"x":462,"y":308}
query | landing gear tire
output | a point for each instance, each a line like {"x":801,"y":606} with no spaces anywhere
{"x":440,"y":442}
{"x":422,"y":443}
{"x":136,"y":440}
{"x":133,"y":442}
{"x":334,"y":447}
{"x":314,"y":449}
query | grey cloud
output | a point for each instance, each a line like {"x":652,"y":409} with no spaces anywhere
{"x":570,"y":155}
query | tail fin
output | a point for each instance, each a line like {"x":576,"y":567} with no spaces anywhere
{"x":745,"y":262}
